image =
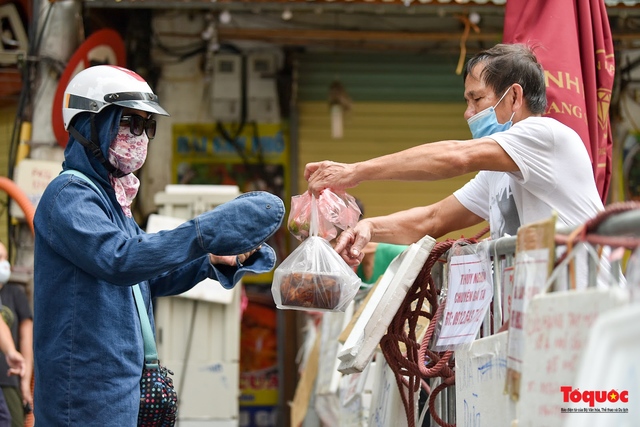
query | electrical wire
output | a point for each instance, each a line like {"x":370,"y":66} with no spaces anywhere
{"x":27,"y":70}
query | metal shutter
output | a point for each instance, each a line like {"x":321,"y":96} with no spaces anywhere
{"x":399,"y":101}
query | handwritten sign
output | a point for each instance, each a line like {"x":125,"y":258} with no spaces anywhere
{"x":534,"y":259}
{"x":555,"y":336}
{"x":469,"y":295}
{"x":530,"y":277}
{"x":481,"y":371}
{"x":33,"y":176}
{"x":386,"y":404}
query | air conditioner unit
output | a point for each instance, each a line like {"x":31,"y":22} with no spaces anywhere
{"x":226,"y":103}
{"x":262,"y":93}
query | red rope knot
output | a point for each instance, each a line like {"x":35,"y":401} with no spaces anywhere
{"x":417,"y":361}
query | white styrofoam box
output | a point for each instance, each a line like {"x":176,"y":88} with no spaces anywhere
{"x":182,"y":201}
{"x":211,"y":330}
{"x":200,"y":342}
{"x":375,"y":318}
{"x":32,"y":177}
{"x":229,"y":422}
{"x":327,"y":403}
{"x":214,"y":190}
{"x":198,"y":333}
{"x":355,"y":397}
{"x":226,"y":91}
{"x":333,"y":323}
{"x":207,"y":391}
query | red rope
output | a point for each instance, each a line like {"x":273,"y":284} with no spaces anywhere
{"x":409,"y":368}
{"x":587,"y":231}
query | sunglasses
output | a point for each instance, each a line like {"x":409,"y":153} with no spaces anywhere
{"x":138,"y":124}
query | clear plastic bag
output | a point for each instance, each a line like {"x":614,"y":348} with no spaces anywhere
{"x":335,"y":211}
{"x":314,"y":277}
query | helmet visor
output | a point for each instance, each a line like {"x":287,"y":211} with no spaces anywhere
{"x":138,"y":101}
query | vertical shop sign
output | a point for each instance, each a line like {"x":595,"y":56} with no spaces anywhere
{"x":575,"y":48}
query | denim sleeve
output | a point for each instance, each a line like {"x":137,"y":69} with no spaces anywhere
{"x":80,"y":226}
{"x":240,"y":225}
{"x":186,"y":276}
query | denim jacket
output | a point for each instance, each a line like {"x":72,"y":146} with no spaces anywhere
{"x":88,"y":346}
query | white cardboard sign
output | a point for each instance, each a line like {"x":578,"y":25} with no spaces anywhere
{"x":33,"y":176}
{"x":556,"y":333}
{"x":469,"y":295}
{"x":386,"y":404}
{"x":481,"y":371}
{"x":531,"y":272}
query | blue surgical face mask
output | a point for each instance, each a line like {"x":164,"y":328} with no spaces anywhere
{"x":485,"y":123}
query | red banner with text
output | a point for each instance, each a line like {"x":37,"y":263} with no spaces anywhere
{"x":572,"y":40}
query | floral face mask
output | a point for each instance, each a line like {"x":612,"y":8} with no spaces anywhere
{"x":128,"y":153}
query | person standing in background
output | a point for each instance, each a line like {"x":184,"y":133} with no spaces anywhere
{"x":17,"y":314}
{"x":14,"y":360}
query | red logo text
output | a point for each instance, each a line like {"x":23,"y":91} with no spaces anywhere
{"x":592,"y":396}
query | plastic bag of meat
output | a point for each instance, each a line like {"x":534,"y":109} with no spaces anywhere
{"x":314,"y":277}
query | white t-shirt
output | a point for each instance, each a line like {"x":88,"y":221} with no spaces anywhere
{"x":555,"y":175}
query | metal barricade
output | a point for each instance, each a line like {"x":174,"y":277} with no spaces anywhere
{"x":618,"y":226}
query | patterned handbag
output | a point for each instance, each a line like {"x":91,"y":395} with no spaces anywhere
{"x":158,"y":399}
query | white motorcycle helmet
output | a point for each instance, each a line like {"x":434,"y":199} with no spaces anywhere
{"x":94,"y":88}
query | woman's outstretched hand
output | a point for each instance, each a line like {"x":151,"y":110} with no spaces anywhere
{"x":232,"y":259}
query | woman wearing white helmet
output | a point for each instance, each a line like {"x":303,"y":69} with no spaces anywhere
{"x":89,"y":252}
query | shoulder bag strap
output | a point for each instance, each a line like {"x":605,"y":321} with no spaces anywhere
{"x":150,"y":351}
{"x":81,"y":176}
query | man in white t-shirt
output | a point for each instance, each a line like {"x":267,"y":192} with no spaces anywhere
{"x":528,"y":165}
